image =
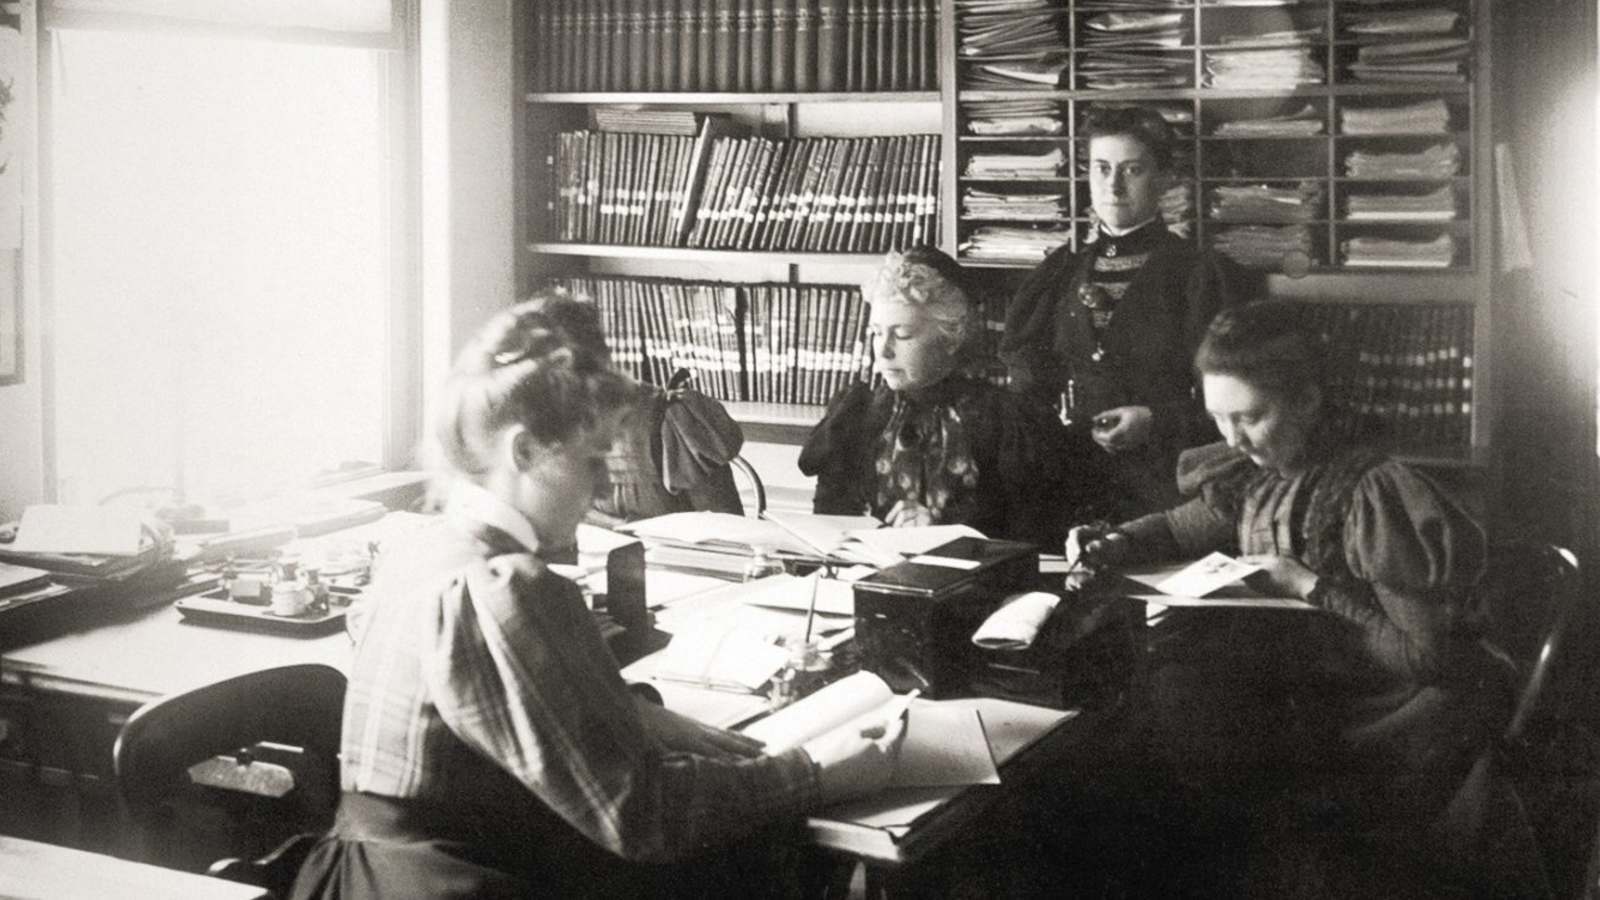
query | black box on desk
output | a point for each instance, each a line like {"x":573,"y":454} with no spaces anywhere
{"x":1082,"y":658}
{"x":914,"y":620}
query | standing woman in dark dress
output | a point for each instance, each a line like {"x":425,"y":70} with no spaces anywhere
{"x":932,"y":443}
{"x":1106,"y":334}
{"x":1368,"y":711}
{"x":491,"y":749}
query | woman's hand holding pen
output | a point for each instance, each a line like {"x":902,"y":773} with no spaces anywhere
{"x":854,"y":760}
{"x":1095,"y":546}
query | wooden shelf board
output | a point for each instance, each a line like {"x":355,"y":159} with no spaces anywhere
{"x":969,"y":95}
{"x":608,"y":98}
{"x":694,"y":254}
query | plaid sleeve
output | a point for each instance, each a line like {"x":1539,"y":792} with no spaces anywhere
{"x":519,"y":672}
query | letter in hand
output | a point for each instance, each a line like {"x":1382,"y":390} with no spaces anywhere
{"x":859,"y":758}
{"x":1095,"y":546}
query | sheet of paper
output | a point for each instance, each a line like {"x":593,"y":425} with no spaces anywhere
{"x":1207,"y":574}
{"x":1217,"y":600}
{"x":728,"y":659}
{"x":109,"y":531}
{"x":823,"y":534}
{"x":835,"y":597}
{"x":901,"y":542}
{"x":944,"y":746}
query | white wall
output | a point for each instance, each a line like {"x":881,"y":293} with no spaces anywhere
{"x":21,"y":405}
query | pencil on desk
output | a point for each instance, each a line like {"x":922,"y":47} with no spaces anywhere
{"x":811,"y":608}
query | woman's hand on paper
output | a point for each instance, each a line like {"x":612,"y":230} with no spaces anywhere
{"x":908,"y":514}
{"x":1280,"y":576}
{"x":685,"y":735}
{"x":857,"y":759}
{"x":1096,"y":546}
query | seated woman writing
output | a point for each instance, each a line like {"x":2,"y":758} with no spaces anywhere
{"x":490,"y":747}
{"x":1376,"y":703}
{"x":933,"y":444}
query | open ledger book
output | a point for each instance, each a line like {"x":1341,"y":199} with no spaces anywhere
{"x":943,"y":746}
{"x":839,"y":539}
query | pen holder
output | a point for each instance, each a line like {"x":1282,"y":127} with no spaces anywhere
{"x":806,"y":670}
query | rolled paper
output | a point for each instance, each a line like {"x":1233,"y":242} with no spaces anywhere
{"x":1016,"y":624}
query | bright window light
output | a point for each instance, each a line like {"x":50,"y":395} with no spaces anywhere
{"x":219,"y":262}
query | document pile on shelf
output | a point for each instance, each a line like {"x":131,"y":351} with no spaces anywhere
{"x":1437,"y":161}
{"x":1427,"y":117}
{"x":1437,"y":253}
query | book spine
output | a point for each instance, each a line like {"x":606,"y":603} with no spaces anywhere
{"x":649,"y":36}
{"x":743,"y":50}
{"x":804,"y":53}
{"x":667,"y":32}
{"x":855,"y":35}
{"x":782,"y":55}
{"x":762,"y":25}
{"x":706,"y":45}
{"x":688,"y":36}
{"x":832,"y":52}
{"x":597,"y":22}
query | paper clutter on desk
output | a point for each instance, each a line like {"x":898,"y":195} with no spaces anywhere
{"x":1016,"y":624}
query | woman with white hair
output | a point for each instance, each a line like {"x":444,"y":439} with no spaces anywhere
{"x":931,"y":443}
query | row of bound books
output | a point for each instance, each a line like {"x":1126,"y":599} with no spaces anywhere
{"x":741,"y":46}
{"x":774,"y":343}
{"x":819,"y":194}
{"x":1407,"y":365}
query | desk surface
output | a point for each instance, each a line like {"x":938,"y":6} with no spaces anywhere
{"x":30,"y":870}
{"x":155,"y":652}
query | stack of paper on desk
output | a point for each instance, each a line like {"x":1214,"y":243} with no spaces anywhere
{"x":840,"y":539}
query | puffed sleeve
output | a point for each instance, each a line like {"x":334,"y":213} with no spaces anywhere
{"x":1026,"y":344}
{"x":1415,"y":556}
{"x":836,"y":452}
{"x":517,"y":671}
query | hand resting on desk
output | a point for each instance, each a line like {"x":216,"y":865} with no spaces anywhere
{"x":1096,"y":546}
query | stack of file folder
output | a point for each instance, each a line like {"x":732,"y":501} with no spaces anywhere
{"x":1011,"y":43}
{"x":1263,"y":246}
{"x":1437,"y":161}
{"x":997,"y":206}
{"x":1426,"y":117}
{"x":1303,"y":122}
{"x":1274,"y":69}
{"x":1017,"y":165}
{"x":1266,"y":203}
{"x":1396,"y":206}
{"x":999,"y":243}
{"x":1393,"y":253}
{"x":1015,"y":117}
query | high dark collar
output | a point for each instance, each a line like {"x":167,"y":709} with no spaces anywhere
{"x":1140,"y":240}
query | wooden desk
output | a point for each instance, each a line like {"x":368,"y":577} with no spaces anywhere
{"x":33,"y":871}
{"x":63,"y":701}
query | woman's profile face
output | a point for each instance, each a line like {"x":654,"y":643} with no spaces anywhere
{"x":1124,"y":180}
{"x":911,"y":351}
{"x":1272,"y":430}
{"x":558,"y":485}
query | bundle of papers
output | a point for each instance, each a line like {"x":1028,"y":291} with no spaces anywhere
{"x":994,"y":206}
{"x":1008,"y":29}
{"x":1265,"y":203}
{"x":1437,"y":161}
{"x":1305,"y":121}
{"x":1426,"y":117}
{"x":1263,"y":246}
{"x":1043,"y":73}
{"x":1008,"y":117}
{"x":843,"y":539}
{"x":1392,"y":253}
{"x":996,"y":242}
{"x":1110,"y":70}
{"x":1286,"y":37}
{"x":1143,"y":29}
{"x":1393,"y":206}
{"x":1279,"y":68}
{"x":1431,"y":20}
{"x":1017,"y":165}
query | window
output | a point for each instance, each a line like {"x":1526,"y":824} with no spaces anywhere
{"x":224,"y":274}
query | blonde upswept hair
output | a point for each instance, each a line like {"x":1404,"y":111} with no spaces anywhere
{"x":929,"y":279}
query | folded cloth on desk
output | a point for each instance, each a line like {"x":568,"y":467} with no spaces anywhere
{"x":1016,"y":624}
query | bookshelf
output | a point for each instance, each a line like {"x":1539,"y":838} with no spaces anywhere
{"x":1318,"y":168}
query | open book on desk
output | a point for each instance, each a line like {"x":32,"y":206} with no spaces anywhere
{"x":1215,"y":580}
{"x":943,"y":746}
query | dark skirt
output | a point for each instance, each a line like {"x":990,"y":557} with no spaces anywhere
{"x":384,"y":848}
